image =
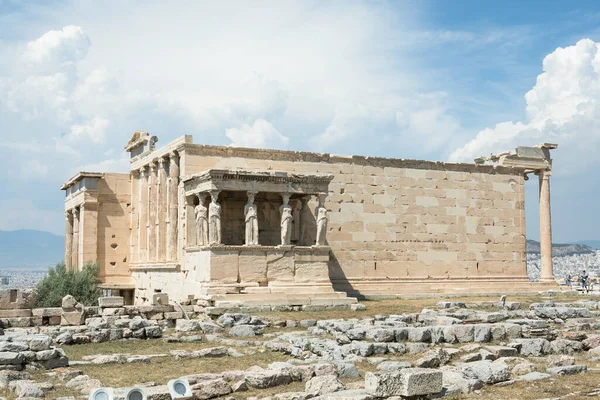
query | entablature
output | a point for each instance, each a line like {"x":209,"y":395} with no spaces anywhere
{"x":256,"y":181}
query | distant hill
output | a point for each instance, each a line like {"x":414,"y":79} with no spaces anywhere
{"x":559,"y":249}
{"x":595,"y":244}
{"x":30,"y":249}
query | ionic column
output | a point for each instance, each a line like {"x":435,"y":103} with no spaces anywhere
{"x":75,"y":244}
{"x":152,"y":214}
{"x":161,"y":216}
{"x":68,"y":238}
{"x":142,"y":213}
{"x":173,"y":207}
{"x":547,"y":273}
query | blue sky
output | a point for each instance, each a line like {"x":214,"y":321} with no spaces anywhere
{"x":436,"y":80}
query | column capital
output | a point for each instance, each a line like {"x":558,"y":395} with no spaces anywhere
{"x":201,"y":195}
{"x":75,"y":211}
{"x":152,"y":166}
{"x":286,"y":198}
{"x":252,"y":193}
{"x":69,"y":214}
{"x":173,"y":155}
{"x":544,"y":173}
{"x":161,"y":162}
{"x":214,"y":195}
{"x":322,"y":197}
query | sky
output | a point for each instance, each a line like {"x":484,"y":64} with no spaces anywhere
{"x":434,"y":80}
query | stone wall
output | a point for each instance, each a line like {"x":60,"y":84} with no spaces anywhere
{"x":113,"y":227}
{"x":405,"y":224}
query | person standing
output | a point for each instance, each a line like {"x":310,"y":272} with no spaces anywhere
{"x":584,"y":281}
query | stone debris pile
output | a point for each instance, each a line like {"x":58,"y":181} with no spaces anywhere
{"x":447,"y":350}
{"x":34,"y":351}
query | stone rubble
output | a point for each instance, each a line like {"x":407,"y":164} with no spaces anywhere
{"x":458,"y":348}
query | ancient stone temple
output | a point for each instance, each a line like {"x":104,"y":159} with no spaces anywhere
{"x":285,"y":227}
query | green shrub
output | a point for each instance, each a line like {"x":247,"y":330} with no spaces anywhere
{"x":83,"y":285}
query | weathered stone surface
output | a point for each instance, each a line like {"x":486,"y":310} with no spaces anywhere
{"x":533,"y":347}
{"x":523,"y":368}
{"x":433,"y":359}
{"x":267,"y":378}
{"x":69,"y":302}
{"x":8,"y":376}
{"x":209,"y":327}
{"x":187,"y":325}
{"x":10,"y":358}
{"x":381,"y":335}
{"x":565,"y":346}
{"x":502,"y":351}
{"x":567,"y":370}
{"x":393,"y":366}
{"x":560,"y":361}
{"x":486,"y":371}
{"x":207,"y":389}
{"x":110,"y":301}
{"x":72,"y":318}
{"x":320,"y":385}
{"x":406,"y":382}
{"x":212,"y":352}
{"x":534,"y":376}
{"x":246,"y":330}
{"x":454,"y":382}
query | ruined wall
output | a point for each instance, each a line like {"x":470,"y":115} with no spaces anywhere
{"x":404,"y":220}
{"x":113,"y":227}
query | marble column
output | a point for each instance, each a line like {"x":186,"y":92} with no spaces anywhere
{"x":75,"y":244}
{"x":547,"y":273}
{"x":161,"y":215}
{"x":142,"y":212}
{"x":173,"y":207}
{"x":152,"y":214}
{"x":68,"y":238}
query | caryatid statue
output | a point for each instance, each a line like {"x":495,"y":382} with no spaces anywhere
{"x":201,"y":213}
{"x":321,"y":213}
{"x":304,"y":220}
{"x":286,"y":220}
{"x":214,"y":219}
{"x":251,"y":218}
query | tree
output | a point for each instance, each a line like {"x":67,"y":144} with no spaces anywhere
{"x":83,"y":285}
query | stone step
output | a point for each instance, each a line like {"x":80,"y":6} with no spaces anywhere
{"x":278,"y":296}
{"x":229,"y":303}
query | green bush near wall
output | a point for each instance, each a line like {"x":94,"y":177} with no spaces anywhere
{"x":83,"y":285}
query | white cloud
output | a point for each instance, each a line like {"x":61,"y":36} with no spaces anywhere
{"x":562,"y":107}
{"x":58,"y":48}
{"x":260,"y":134}
{"x":39,"y":95}
{"x":93,"y":130}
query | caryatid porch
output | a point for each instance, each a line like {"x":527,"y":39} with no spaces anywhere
{"x":254,"y":232}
